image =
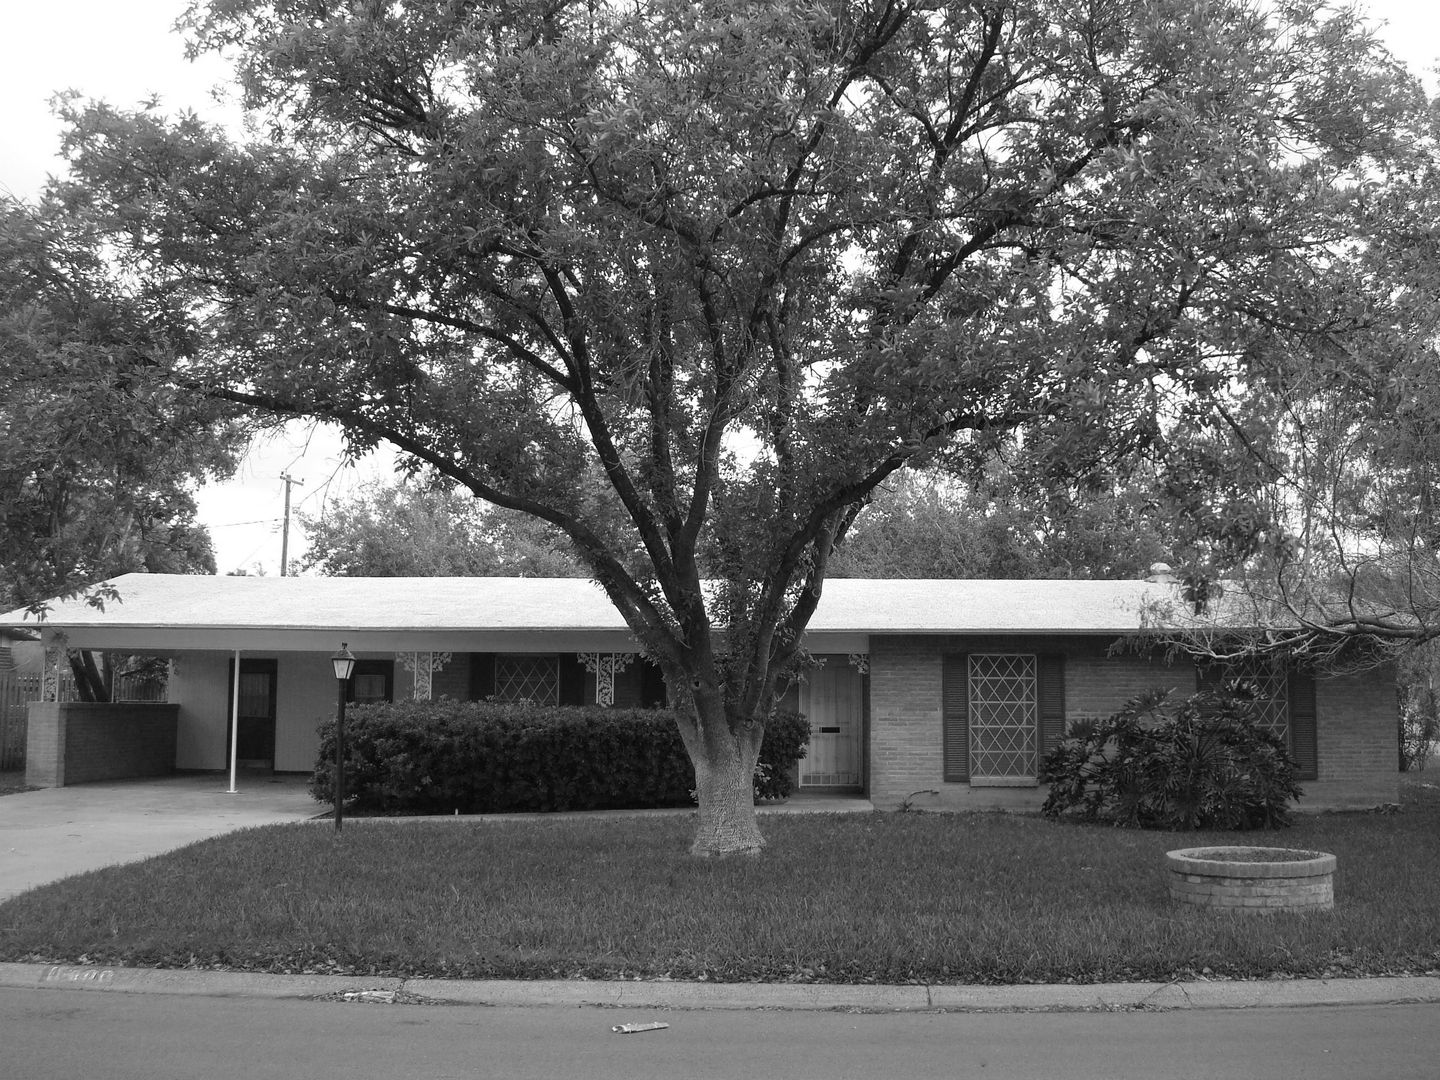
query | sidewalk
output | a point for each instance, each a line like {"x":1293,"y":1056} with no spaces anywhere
{"x":734,"y":996}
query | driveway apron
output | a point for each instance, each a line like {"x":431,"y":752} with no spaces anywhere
{"x":53,"y":833}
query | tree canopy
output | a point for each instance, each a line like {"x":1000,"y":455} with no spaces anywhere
{"x":98,"y":463}
{"x":1345,"y":452}
{"x":689,"y":280}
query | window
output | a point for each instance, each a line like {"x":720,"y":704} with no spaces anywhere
{"x":371,"y":681}
{"x":1286,"y":700}
{"x":522,"y":677}
{"x":370,"y":688}
{"x":1001,"y":711}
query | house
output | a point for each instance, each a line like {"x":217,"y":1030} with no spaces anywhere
{"x":950,"y":687}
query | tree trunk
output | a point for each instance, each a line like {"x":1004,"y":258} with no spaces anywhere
{"x":90,"y":684}
{"x":725,"y":787}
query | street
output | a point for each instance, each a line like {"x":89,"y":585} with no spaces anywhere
{"x":118,"y":1036}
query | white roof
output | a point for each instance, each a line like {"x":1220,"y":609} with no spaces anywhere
{"x":852,"y":605}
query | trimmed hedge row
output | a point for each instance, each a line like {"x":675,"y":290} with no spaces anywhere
{"x":485,"y":757}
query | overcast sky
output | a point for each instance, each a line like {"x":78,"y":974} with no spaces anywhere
{"x":124,"y":51}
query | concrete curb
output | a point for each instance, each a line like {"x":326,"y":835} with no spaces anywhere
{"x":1292,"y":993}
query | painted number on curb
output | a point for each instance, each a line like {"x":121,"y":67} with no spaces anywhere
{"x":77,"y":974}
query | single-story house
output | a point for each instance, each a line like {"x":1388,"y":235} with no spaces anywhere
{"x":951,"y":687}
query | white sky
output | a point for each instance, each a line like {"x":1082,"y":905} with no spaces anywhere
{"x":125,"y":52}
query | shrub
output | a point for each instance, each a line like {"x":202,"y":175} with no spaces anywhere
{"x":1419,"y":726}
{"x":487,"y":757}
{"x":1209,"y":766}
{"x":786,"y":734}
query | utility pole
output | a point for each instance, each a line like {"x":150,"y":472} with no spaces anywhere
{"x":285,"y":529}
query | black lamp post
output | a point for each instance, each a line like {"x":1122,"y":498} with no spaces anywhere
{"x":344,"y":667}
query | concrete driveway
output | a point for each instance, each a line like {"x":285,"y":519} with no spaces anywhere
{"x":50,"y":834}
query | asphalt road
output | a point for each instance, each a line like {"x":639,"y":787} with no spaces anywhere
{"x":117,"y":1036}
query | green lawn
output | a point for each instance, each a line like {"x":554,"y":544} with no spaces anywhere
{"x":884,"y":897}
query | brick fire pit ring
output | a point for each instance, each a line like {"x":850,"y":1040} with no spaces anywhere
{"x":1252,"y":880}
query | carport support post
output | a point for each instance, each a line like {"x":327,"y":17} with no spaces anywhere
{"x":234,"y":724}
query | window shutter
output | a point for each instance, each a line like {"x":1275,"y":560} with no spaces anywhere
{"x":955,"y":716}
{"x":482,"y":676}
{"x":572,"y":676}
{"x":1050,"y":688}
{"x":1304,"y":729}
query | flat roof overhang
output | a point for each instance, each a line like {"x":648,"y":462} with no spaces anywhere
{"x":168,"y":640}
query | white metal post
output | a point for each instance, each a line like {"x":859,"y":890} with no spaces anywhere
{"x":234,"y":724}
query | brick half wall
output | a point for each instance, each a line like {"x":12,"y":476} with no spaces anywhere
{"x":74,"y":742}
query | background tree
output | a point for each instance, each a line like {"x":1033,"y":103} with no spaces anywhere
{"x":406,"y":530}
{"x":1330,"y":524}
{"x":98,"y":465}
{"x":688,"y":281}
{"x":926,"y":525}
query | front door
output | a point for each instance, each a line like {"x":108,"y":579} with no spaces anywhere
{"x":255,"y":747}
{"x":833,"y":699}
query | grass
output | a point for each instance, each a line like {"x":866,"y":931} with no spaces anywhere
{"x":889,"y":898}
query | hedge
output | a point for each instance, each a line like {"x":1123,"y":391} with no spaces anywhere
{"x":417,"y":757}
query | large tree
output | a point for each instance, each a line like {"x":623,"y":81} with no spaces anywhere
{"x":99,"y":461}
{"x":688,"y":280}
{"x":1331,"y":517}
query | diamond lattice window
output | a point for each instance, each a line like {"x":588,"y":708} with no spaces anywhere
{"x":528,"y":678}
{"x":1003,"y":714}
{"x":1267,"y":678}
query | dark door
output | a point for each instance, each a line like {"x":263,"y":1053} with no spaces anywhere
{"x":255,"y":746}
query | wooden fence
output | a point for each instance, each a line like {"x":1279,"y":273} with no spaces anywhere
{"x":17,"y":691}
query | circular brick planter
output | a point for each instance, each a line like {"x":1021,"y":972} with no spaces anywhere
{"x":1252,"y":879}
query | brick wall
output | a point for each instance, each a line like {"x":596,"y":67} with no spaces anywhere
{"x":452,"y":681}
{"x":45,"y":745}
{"x":1357,"y":719}
{"x":1358,"y":727}
{"x":74,"y":742}
{"x":905,"y":725}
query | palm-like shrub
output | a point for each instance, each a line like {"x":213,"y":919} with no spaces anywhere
{"x":1207,"y":765}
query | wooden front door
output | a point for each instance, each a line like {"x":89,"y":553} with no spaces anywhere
{"x":833,"y":699}
{"x":255,"y":746}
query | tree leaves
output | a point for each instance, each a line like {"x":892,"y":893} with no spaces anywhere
{"x":688,"y":281}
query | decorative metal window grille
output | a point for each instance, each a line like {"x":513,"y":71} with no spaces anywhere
{"x":422,"y":667}
{"x":527,"y":678}
{"x":1266,"y":677}
{"x":1003,"y":715}
{"x":605,"y":667}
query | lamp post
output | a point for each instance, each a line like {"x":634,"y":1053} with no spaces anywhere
{"x":344,"y":664}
